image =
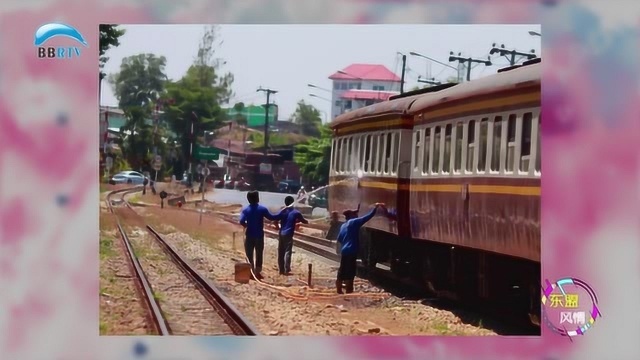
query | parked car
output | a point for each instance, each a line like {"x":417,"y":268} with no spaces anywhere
{"x":318,"y":201}
{"x":288,"y":186}
{"x":128,"y":177}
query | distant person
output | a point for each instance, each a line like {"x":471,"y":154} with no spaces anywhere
{"x":288,"y":217}
{"x":252,"y":219}
{"x":349,"y":240}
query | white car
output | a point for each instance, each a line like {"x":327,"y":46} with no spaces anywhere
{"x":128,"y":177}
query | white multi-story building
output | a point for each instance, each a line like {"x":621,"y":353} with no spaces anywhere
{"x":360,"y":85}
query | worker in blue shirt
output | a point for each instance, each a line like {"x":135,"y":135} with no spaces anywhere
{"x":349,"y":240}
{"x":288,"y":217}
{"x":252,"y":219}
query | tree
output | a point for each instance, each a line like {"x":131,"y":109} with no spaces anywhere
{"x":314,"y":157}
{"x":109,"y":37}
{"x":138,"y":86}
{"x":198,"y":95}
{"x":308,"y":117}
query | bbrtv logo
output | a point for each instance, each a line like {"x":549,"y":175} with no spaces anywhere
{"x":52,"y":30}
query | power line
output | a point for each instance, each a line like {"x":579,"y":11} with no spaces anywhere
{"x":511,"y":54}
{"x":468,"y":62}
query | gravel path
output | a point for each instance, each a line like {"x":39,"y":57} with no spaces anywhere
{"x":121,"y":312}
{"x":186,"y":309}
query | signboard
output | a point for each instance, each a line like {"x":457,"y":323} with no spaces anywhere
{"x":206,"y":153}
{"x":265,"y":169}
{"x":157,"y":162}
{"x":108,"y":162}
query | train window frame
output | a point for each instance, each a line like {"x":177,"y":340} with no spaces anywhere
{"x":458,"y":136}
{"x":472,"y":128}
{"x":511,"y":144}
{"x":333,"y":154}
{"x":527,"y":116}
{"x":426,"y":153}
{"x":483,"y":148}
{"x":415,"y":156}
{"x":374,"y":153}
{"x":496,"y":144}
{"x":447,"y":147}
{"x":437,"y":140}
{"x":388,"y":154}
{"x":396,"y":155}
{"x":368,"y":154}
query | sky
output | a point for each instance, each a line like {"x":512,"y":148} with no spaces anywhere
{"x":288,"y":57}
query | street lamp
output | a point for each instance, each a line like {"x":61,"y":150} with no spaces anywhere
{"x":535,"y":33}
{"x":319,"y":97}
{"x":318,"y":87}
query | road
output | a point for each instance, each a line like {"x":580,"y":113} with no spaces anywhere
{"x":273,"y":201}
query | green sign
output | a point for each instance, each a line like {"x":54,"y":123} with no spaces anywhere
{"x":254,"y":114}
{"x":206,"y":153}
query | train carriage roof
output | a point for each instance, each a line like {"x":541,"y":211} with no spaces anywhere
{"x":397,"y":107}
{"x":506,"y":82}
{"x":507,"y":79}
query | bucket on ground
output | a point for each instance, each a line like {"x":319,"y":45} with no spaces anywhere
{"x":243,"y":272}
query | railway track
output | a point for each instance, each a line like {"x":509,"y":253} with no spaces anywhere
{"x":382,"y":276}
{"x":228,"y":320}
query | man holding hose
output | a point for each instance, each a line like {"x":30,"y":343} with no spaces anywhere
{"x":349,"y":240}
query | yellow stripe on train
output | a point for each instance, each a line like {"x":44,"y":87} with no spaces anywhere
{"x":454,"y":188}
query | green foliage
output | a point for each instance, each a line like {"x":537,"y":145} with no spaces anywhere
{"x":314,"y":156}
{"x":109,"y":37}
{"x":198,"y":95}
{"x":308,"y":117}
{"x":239,"y":118}
{"x":138,"y":86}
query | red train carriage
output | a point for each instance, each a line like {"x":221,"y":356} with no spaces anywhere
{"x":466,"y":187}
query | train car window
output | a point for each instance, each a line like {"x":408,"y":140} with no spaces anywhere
{"x":374,"y":154}
{"x":417,"y":146}
{"x":427,"y":148}
{"x":446,"y":160}
{"x":511,"y":141}
{"x":338,"y":154}
{"x":350,"y":154}
{"x":495,"y":145}
{"x":538,"y":150}
{"x":435,"y":168}
{"x":361,"y":141}
{"x":396,"y":156}
{"x":333,"y":155}
{"x":525,"y":142}
{"x":366,"y":160}
{"x":471,"y":143}
{"x":482,"y":153}
{"x":457,"y":165}
{"x":389,"y":159}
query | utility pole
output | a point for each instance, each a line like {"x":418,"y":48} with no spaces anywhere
{"x":404,"y":65}
{"x":191,"y":138}
{"x":512,"y":53}
{"x":266,"y":119}
{"x":468,"y":61}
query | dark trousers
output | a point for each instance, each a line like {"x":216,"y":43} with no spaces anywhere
{"x":347,"y":270}
{"x":257,"y":244}
{"x":285,"y":248}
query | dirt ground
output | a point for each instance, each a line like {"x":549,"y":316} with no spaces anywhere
{"x":281,"y":305}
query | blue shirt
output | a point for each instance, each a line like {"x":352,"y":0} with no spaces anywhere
{"x":253,"y":216}
{"x":349,"y":235}
{"x":288,"y":218}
